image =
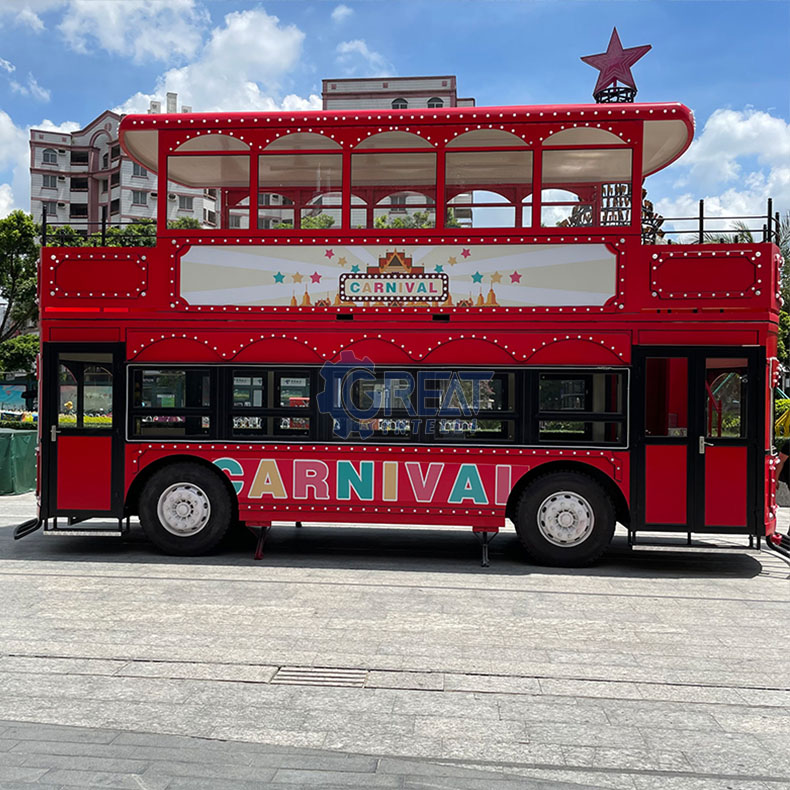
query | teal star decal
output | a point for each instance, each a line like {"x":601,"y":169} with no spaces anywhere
{"x":355,"y":269}
{"x":477,"y":277}
{"x":438,"y":268}
{"x":279,"y":277}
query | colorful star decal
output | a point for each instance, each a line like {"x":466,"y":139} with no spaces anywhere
{"x":439,"y":267}
{"x":477,"y":277}
{"x":342,"y":261}
{"x":279,"y":277}
{"x":355,"y":268}
{"x":452,"y":261}
{"x":615,"y":64}
{"x":496,"y":277}
{"x":315,"y":277}
{"x":297,"y":277}
{"x":515,"y":278}
{"x":465,"y":253}
{"x":329,"y":253}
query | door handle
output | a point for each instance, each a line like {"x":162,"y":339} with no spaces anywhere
{"x":703,"y":444}
{"x":53,"y":433}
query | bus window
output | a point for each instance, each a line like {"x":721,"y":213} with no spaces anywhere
{"x":490,"y":184}
{"x":666,"y":396}
{"x":403,"y":181}
{"x":725,"y":400}
{"x":595,"y":184}
{"x":308,"y":184}
{"x":171,"y":402}
{"x":224,"y":180}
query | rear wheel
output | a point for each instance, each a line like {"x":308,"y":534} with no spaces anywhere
{"x":565,"y":519}
{"x":185,"y":509}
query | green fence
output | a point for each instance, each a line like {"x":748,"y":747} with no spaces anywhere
{"x":17,"y":461}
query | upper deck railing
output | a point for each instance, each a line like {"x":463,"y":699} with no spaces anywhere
{"x":699,"y":229}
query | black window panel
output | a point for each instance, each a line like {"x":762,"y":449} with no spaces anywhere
{"x":171,"y":388}
{"x":172,"y":402}
{"x":264,"y":403}
{"x":572,"y":432}
{"x":171,"y":426}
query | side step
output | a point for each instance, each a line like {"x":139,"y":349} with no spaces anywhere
{"x":51,"y":527}
{"x":687,"y":540}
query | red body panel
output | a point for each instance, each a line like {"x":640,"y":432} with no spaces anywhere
{"x":449,"y":485}
{"x":666,"y":486}
{"x":84,"y":469}
{"x":725,"y":486}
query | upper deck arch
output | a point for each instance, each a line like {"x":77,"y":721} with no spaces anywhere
{"x":439,"y":168}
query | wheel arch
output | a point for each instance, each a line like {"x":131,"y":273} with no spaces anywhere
{"x":132,"y":504}
{"x":622,"y":511}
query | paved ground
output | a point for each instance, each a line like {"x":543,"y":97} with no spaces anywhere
{"x":388,"y":658}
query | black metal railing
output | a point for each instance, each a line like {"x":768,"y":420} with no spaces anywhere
{"x":742,"y":227}
{"x":747,"y":228}
{"x":79,"y":232}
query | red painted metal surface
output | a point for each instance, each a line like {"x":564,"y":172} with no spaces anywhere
{"x":666,"y":484}
{"x":725,"y":486}
{"x":712,"y":295}
{"x":83,"y":475}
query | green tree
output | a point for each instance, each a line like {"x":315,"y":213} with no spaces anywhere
{"x":19,"y":353}
{"x":18,"y":259}
{"x":418,"y":219}
{"x":319,"y":222}
{"x":184,"y":223}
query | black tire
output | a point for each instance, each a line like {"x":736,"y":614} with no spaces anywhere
{"x":573,"y":497}
{"x":201,"y":495}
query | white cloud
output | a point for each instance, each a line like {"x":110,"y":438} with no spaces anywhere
{"x":740,"y":159}
{"x":729,"y":135}
{"x":7,"y":66}
{"x":358,"y":59}
{"x":26,"y":12}
{"x":341,"y":12}
{"x":6,"y":200}
{"x":31,"y":88}
{"x":141,"y":29}
{"x":241,"y":67}
{"x":49,"y":126}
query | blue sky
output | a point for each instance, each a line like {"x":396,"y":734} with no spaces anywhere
{"x":64,"y":61}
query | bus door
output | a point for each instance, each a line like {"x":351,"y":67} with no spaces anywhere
{"x":81,"y":433}
{"x":696,"y":439}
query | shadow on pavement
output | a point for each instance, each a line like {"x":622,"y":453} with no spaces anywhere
{"x":434,"y":550}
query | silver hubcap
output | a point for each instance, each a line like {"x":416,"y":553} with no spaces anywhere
{"x":565,"y":519}
{"x":183,"y":509}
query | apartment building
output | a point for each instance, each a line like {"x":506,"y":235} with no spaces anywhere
{"x":392,"y":93}
{"x":74,"y":176}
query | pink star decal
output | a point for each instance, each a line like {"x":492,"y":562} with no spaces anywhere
{"x":329,"y":253}
{"x":315,"y":277}
{"x":615,"y":64}
{"x":465,"y":253}
{"x":515,"y":278}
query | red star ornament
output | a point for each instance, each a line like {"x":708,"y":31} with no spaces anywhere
{"x":615,"y":64}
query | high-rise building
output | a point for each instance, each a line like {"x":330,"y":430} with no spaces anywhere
{"x":392,"y":93}
{"x":74,"y":176}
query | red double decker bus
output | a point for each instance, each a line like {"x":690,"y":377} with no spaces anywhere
{"x":419,"y":316}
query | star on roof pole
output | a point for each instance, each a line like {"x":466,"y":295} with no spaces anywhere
{"x":615,"y":64}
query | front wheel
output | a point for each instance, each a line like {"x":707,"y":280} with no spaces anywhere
{"x":185,"y":509}
{"x":565,"y":519}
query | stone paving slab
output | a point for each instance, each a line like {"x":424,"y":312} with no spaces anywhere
{"x":96,"y":757}
{"x":655,"y":668}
